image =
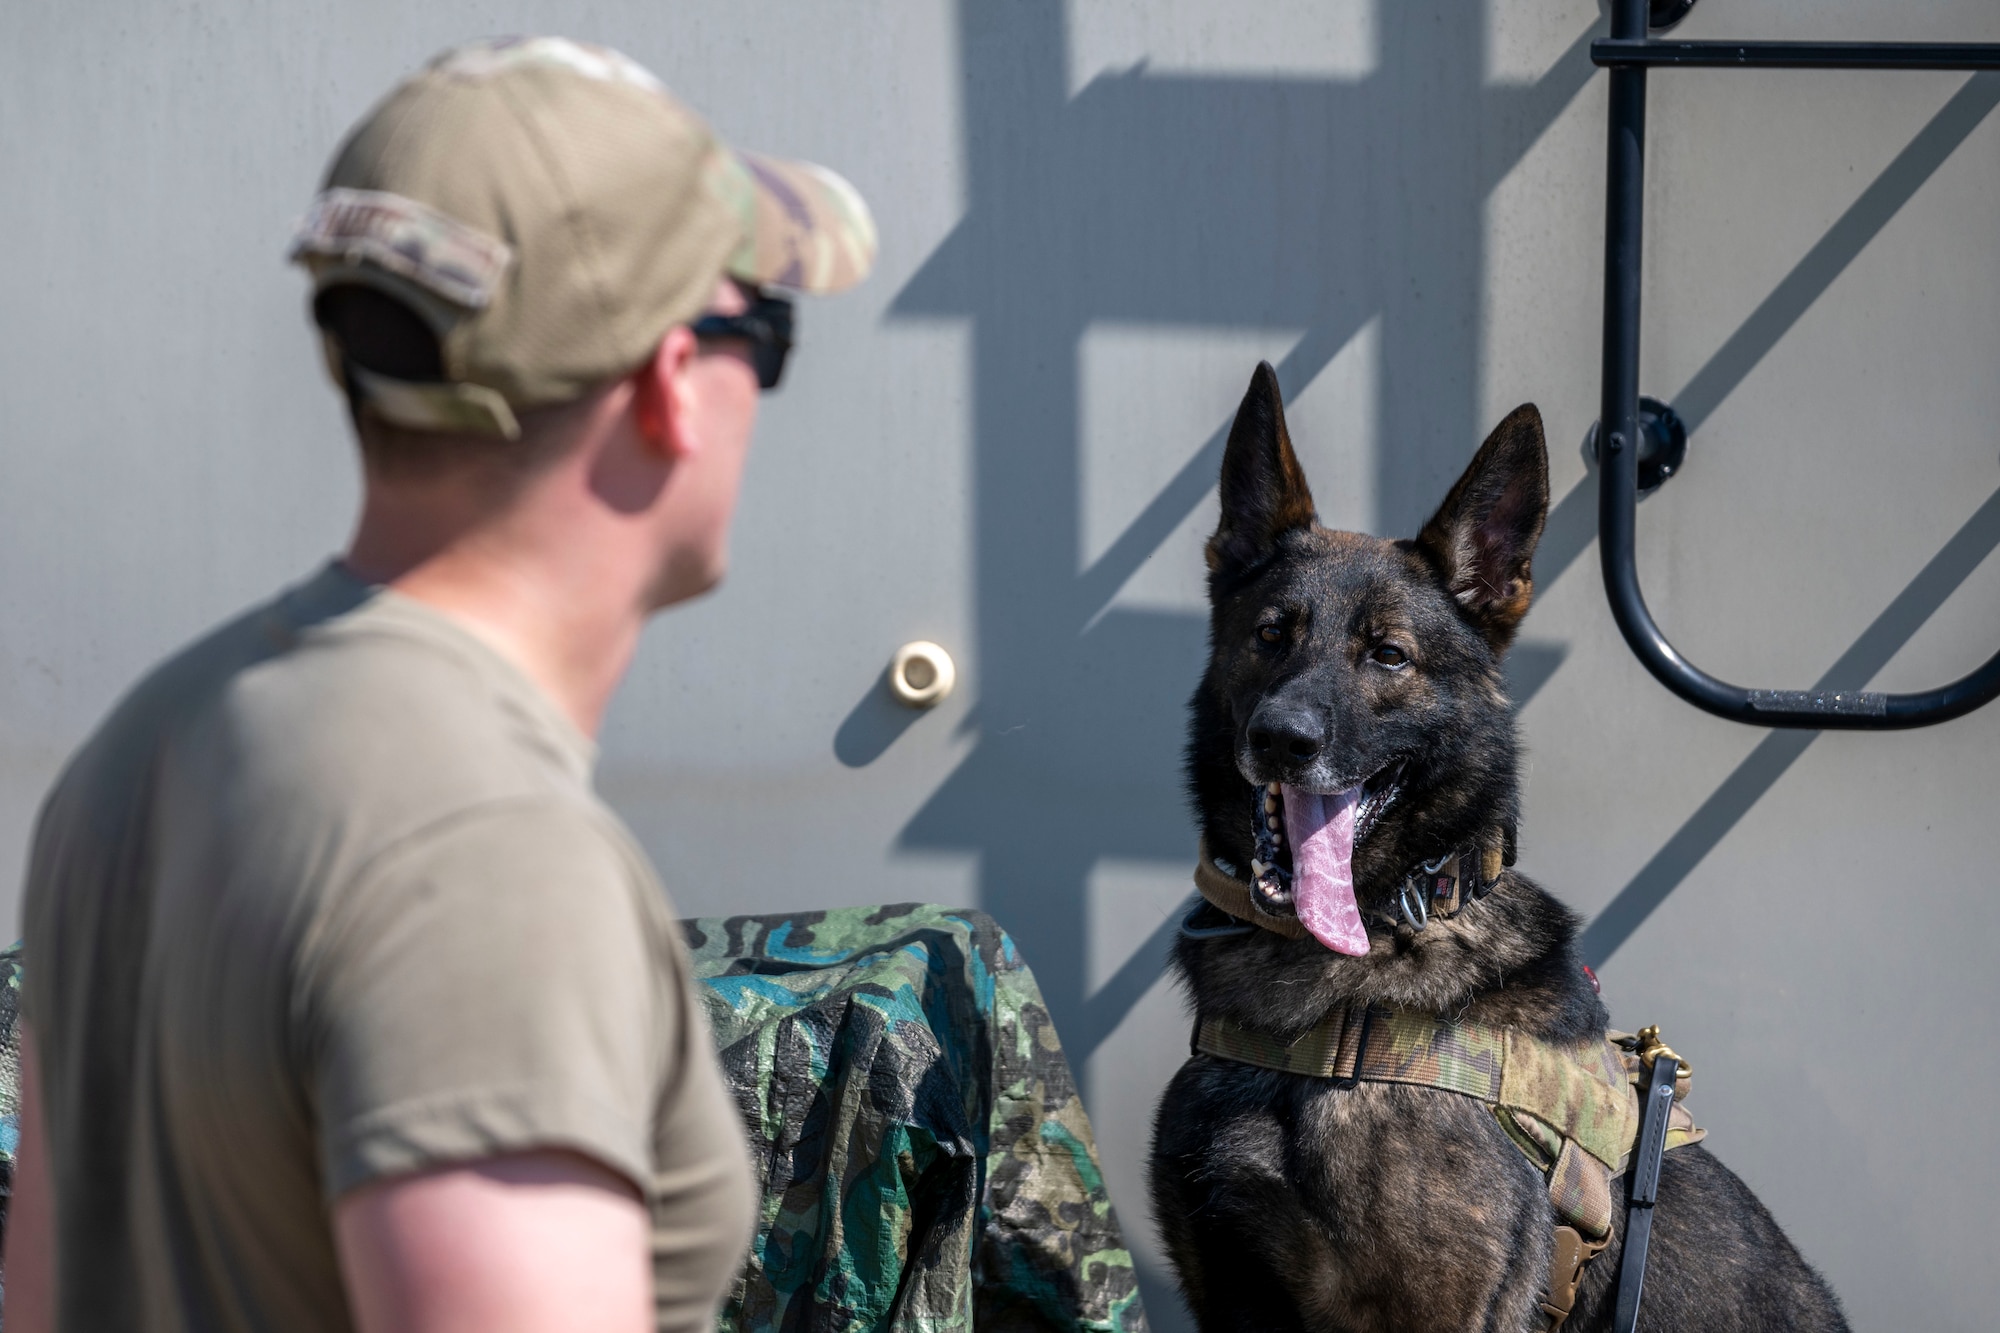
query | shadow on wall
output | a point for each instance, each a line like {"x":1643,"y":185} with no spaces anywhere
{"x":1182,"y":199}
{"x":1225,"y":202}
{"x":1252,"y":203}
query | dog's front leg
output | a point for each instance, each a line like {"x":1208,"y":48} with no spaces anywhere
{"x":1291,"y":1204}
{"x":1223,"y":1204}
{"x":1230,"y":1275}
{"x":1425,"y":1217}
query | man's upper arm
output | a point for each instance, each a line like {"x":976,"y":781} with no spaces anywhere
{"x":493,"y":988}
{"x":542,"y":1242}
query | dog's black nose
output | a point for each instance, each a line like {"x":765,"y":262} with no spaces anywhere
{"x":1285,"y":735}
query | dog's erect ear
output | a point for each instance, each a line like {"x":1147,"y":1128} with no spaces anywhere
{"x":1483,"y":536}
{"x":1263,"y":488}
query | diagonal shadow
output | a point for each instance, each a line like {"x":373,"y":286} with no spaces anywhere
{"x":1216,"y":202}
{"x":1568,"y":533}
{"x":1572,"y":524}
{"x":1079,"y":211}
{"x":1174,"y":199}
{"x":1777,"y":752}
{"x":1172,"y":503}
{"x":1812,"y":275}
{"x":1108,"y":1004}
{"x":1523,"y":114}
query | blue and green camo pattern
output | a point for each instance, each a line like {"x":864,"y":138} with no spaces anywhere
{"x":925,"y":1162}
{"x":10,"y":1075}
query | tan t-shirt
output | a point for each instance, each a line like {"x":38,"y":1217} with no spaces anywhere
{"x":329,"y":898}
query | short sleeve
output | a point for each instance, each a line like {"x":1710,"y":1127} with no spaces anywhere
{"x":490,"y":986}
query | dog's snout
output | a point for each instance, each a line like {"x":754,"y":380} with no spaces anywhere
{"x":1286,"y":735}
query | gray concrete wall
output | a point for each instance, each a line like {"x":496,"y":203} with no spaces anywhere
{"x":1095,"y":218}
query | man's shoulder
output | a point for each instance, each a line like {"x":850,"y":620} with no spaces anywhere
{"x":329,"y":705}
{"x":96,"y":828}
{"x":125,"y":744}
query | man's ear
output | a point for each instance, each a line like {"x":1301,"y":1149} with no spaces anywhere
{"x":1264,"y":491}
{"x":1483,"y":537}
{"x":659,"y":395}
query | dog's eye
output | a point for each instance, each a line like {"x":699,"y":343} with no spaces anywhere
{"x":1270,"y":631}
{"x":1389,"y":655}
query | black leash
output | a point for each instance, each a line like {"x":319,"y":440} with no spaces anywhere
{"x":1645,"y":1191}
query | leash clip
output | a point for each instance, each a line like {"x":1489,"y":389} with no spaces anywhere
{"x":1648,"y":1047}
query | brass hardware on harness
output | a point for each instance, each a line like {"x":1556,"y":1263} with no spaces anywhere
{"x":1651,"y":1048}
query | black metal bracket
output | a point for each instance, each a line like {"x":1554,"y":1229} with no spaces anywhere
{"x":1663,"y":445}
{"x":1664,"y":14}
{"x":1628,"y":54}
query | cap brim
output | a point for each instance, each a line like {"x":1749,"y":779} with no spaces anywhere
{"x":808,"y":230}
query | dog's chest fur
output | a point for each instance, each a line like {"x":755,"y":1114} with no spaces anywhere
{"x":1366,"y":1204}
{"x":1354,"y":1200}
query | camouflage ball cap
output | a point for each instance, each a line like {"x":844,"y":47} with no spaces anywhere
{"x":551,"y":211}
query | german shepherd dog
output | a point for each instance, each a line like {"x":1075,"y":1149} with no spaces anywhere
{"x":1363,"y":676}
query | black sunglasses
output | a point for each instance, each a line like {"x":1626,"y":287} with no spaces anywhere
{"x":766,"y":326}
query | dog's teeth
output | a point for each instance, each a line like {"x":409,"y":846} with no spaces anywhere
{"x":1270,"y":805}
{"x":1273,"y":789}
{"x":1273,"y":823}
{"x":1257,"y":869}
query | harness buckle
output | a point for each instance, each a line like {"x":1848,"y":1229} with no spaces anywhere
{"x":1359,"y":1029}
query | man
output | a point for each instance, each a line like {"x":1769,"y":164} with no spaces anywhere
{"x":351,"y":1005}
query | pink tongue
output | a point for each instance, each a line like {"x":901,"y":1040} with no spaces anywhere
{"x":1321,"y":831}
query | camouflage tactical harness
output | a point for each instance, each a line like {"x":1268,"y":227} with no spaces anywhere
{"x":1573,"y":1111}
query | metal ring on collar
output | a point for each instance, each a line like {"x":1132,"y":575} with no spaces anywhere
{"x":1423,"y":908}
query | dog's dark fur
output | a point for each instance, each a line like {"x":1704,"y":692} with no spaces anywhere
{"x":1288,"y":1203}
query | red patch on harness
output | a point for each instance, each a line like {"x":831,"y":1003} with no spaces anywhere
{"x":1591,"y":977}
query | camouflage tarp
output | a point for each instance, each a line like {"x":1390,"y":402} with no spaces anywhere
{"x":925,"y":1161}
{"x":10,"y":1072}
{"x":10,"y":1077}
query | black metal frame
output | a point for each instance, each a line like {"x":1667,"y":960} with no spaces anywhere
{"x":1628,"y":53}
